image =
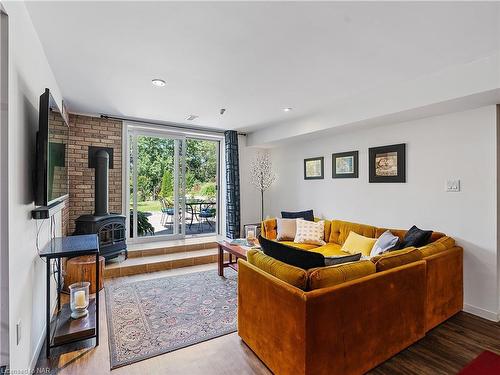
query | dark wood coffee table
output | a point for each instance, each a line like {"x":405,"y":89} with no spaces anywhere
{"x":235,"y":251}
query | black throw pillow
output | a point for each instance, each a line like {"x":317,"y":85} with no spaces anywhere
{"x":306,"y":215}
{"x":415,"y":237}
{"x":288,"y":254}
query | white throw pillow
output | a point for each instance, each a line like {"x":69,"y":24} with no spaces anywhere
{"x":310,"y":232}
{"x":286,"y":229}
{"x":385,"y":242}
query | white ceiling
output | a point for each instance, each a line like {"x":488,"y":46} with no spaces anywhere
{"x":251,"y":58}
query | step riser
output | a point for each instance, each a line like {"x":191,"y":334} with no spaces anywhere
{"x":160,"y":266}
{"x":172,"y":249}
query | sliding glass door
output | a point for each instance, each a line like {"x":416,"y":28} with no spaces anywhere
{"x":201,"y":186}
{"x":156,"y":197}
{"x":173,"y":185}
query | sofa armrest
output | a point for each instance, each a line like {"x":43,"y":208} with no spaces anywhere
{"x":445,"y":295}
{"x":379,"y":314}
{"x":269,"y":229}
{"x":271,"y":319}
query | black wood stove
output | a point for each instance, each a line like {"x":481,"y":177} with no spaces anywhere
{"x":110,"y":227}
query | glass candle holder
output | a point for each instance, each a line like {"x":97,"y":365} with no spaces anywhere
{"x":79,"y":299}
{"x":251,"y":234}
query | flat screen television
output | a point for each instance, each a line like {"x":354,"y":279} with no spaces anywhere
{"x":51,"y":174}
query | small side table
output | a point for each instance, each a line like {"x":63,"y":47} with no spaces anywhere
{"x":63,"y":329}
{"x":233,"y":250}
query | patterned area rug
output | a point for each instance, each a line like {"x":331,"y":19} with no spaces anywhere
{"x":152,"y":317}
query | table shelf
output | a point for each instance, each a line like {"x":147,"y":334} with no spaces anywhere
{"x":65,"y":329}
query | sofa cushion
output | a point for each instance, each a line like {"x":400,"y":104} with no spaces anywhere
{"x":437,"y":246}
{"x":397,"y":258}
{"x":334,"y":275}
{"x":292,"y":275}
{"x":301,"y":246}
{"x":375,"y":258}
{"x":286,"y":229}
{"x":356,"y":243}
{"x":310,"y":232}
{"x":306,"y":215}
{"x":291,"y":255}
{"x":415,"y":237}
{"x":330,"y":249}
{"x":340,"y":230}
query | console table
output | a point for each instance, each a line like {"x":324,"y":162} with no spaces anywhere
{"x":62,"y":329}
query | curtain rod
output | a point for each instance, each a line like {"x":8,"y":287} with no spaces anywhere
{"x":195,"y":128}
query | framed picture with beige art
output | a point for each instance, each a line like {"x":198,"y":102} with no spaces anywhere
{"x":387,"y":163}
{"x":314,"y":168}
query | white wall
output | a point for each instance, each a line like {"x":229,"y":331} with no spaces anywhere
{"x":459,"y":145}
{"x":29,"y":75}
{"x":250,"y":195}
{"x":4,"y":245}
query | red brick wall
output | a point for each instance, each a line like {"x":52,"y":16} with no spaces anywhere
{"x":57,"y":134}
{"x":88,"y":131}
{"x":65,"y":218}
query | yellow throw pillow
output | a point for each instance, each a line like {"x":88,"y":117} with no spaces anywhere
{"x":356,"y":243}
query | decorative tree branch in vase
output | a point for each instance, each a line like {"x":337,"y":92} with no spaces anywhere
{"x":262,"y":175}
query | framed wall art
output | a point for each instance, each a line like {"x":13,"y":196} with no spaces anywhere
{"x":345,"y":165}
{"x":387,"y":163}
{"x":314,"y":168}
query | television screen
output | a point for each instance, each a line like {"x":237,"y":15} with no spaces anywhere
{"x":52,"y":153}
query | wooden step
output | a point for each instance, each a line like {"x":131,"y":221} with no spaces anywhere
{"x":171,"y":247}
{"x":153,"y":263}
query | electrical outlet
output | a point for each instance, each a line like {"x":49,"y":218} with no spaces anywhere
{"x":453,"y":185}
{"x":18,"y":332}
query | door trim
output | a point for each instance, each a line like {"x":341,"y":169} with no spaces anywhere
{"x":165,"y":132}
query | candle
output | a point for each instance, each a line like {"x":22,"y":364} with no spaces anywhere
{"x":251,"y":234}
{"x":80,"y":302}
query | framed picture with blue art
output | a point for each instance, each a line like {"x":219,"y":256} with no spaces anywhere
{"x":345,"y":165}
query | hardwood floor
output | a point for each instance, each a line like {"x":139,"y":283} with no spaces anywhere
{"x":445,"y":350}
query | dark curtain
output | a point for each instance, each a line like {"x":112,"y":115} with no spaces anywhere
{"x":232,"y":185}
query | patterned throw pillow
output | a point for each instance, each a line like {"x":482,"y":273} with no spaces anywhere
{"x":310,"y":232}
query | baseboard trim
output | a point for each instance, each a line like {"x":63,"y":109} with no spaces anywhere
{"x":486,"y":314}
{"x":38,"y":350}
{"x":41,"y":341}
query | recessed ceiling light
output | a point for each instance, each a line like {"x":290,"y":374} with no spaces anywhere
{"x":158,"y":82}
{"x":191,"y":117}
{"x":288,"y":109}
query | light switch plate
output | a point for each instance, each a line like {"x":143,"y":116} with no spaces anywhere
{"x":453,"y":185}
